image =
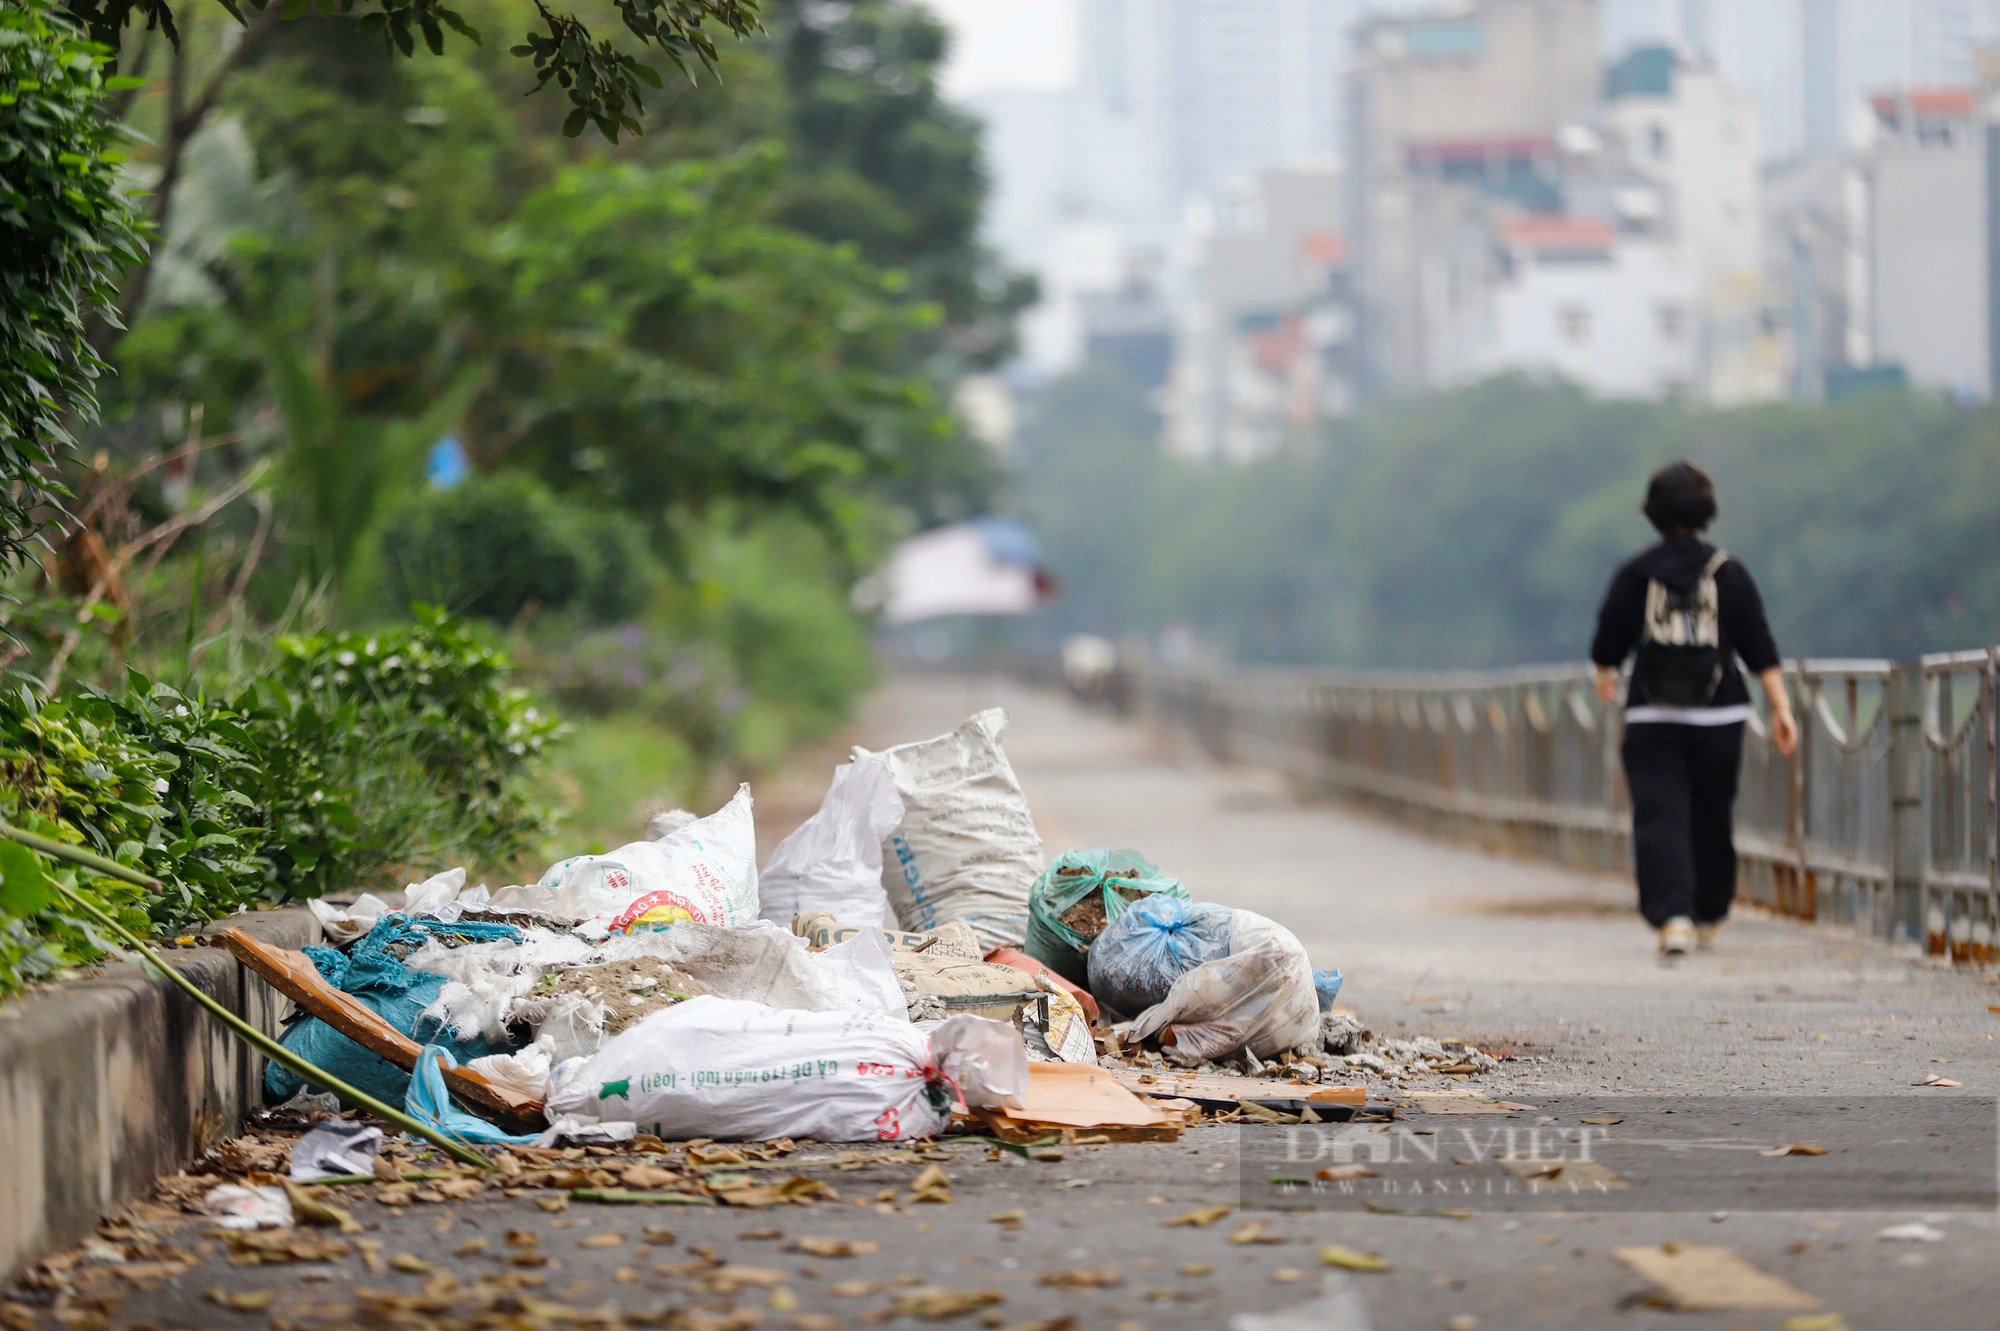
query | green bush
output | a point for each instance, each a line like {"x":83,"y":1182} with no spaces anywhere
{"x":352,"y":755}
{"x":496,"y":546}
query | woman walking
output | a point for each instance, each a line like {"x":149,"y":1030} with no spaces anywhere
{"x":1685,"y":612}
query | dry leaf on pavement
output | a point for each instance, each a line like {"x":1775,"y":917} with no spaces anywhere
{"x":603,"y":1238}
{"x":1935,"y":1080}
{"x":826,"y":1247}
{"x":1009,"y":1218}
{"x":643,"y":1175}
{"x":243,"y":1301}
{"x":1694,"y":1278}
{"x":413,"y":1264}
{"x":1351,"y":1259}
{"x":933,"y":1185}
{"x":1796,"y":1148}
{"x":1255,"y":1231}
{"x":1335,"y":1173}
{"x":938,"y":1304}
{"x":1083,"y":1278}
{"x":1200,"y":1219}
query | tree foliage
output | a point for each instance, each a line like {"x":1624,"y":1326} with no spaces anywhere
{"x":65,"y":234}
{"x":1480,"y":527}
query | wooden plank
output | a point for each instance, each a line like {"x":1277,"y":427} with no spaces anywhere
{"x":293,"y":975}
{"x":1191,"y":1086}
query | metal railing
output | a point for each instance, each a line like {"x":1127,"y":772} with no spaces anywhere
{"x":1885,"y":817}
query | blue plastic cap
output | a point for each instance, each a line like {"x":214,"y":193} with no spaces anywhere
{"x":1327,"y":982}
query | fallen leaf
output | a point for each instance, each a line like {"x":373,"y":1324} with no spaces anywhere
{"x":1083,"y":1278}
{"x":854,"y":1289}
{"x":416,"y":1266}
{"x":1200,"y":1219}
{"x":1816,"y":1322}
{"x":1287,"y":1275}
{"x":1255,"y":1231}
{"x":458,"y":1189}
{"x":396,"y":1194}
{"x":603,"y":1238}
{"x":1336,"y":1173}
{"x":643,"y":1175}
{"x":242,"y":1301}
{"x":730,"y":1278}
{"x":553,"y":1205}
{"x":1351,"y":1259}
{"x":826,"y":1247}
{"x":1694,"y":1278}
{"x":938,"y":1304}
{"x":523,"y":1238}
{"x":1935,"y":1080}
{"x":1076,"y":1183}
{"x":782,"y":1300}
{"x":1046,"y":1153}
{"x":933,"y":1185}
{"x":308,"y":1209}
{"x":658,"y":1235}
{"x":1197,"y":1268}
{"x":470,"y":1247}
{"x":1796,"y":1148}
{"x":1601,"y":1120}
{"x":716,"y":1155}
{"x":761,"y":1235}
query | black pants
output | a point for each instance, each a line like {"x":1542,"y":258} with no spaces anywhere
{"x":1683,"y":784}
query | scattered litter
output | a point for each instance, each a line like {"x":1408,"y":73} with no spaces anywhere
{"x":1259,"y":997}
{"x":237,"y":1207}
{"x":1069,"y":1097}
{"x":1326,"y":984}
{"x":335,"y":1148}
{"x":705,"y":871}
{"x":1914,"y":1231}
{"x":1694,"y":1278}
{"x":1796,"y":1148}
{"x":1935,"y":1080}
{"x":967,"y":848}
{"x":1202,"y":1217}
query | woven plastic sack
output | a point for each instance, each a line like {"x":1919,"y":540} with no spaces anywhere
{"x":705,"y":871}
{"x":1116,"y":877}
{"x":967,"y":848}
{"x":1137,"y":958}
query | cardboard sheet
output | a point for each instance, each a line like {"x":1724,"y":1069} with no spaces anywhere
{"x":1076,"y":1099}
{"x":1190,"y":1086}
{"x":293,"y":975}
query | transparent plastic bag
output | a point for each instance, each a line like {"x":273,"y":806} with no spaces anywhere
{"x":984,"y":1058}
{"x":1259,"y":997}
{"x":1135,"y":961}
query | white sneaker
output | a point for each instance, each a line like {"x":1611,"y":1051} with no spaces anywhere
{"x":1677,"y":937}
{"x":1704,"y":935}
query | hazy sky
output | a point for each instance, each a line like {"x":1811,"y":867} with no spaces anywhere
{"x":1008,"y":44}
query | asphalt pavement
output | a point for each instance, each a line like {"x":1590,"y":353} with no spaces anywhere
{"x":1757,"y":1109}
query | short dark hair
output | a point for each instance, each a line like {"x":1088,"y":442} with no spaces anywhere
{"x":1680,"y":497}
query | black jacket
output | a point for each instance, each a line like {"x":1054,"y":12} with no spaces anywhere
{"x":1678,"y":562}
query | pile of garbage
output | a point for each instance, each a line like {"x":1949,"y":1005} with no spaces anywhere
{"x":668,"y":989}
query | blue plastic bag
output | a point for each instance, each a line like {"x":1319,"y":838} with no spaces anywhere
{"x":1115,"y":877}
{"x":429,"y":1102}
{"x":1159,"y":939}
{"x":373,"y":971}
{"x":1327,"y":984}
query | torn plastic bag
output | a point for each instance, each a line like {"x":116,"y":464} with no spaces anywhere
{"x":334,"y":1149}
{"x":238,"y":1207}
{"x":429,"y":1103}
{"x":731,"y":1070}
{"x":441,"y":896}
{"x":705,"y":871}
{"x":1260,"y":996}
{"x":984,"y":1059}
{"x":1137,"y":958}
{"x":525,"y":1073}
{"x":967,"y":848}
{"x":373,"y":970}
{"x":1095,"y":888}
{"x":833,"y":862}
{"x":1327,"y":984}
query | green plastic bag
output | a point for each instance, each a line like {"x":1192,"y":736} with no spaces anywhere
{"x":1107,"y":880}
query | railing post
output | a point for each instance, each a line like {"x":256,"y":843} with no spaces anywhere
{"x":1909,"y":827}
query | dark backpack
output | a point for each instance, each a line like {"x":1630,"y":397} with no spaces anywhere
{"x":1680,"y":661}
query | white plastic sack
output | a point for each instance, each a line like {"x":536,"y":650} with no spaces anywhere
{"x":730,"y":1070}
{"x":984,"y":1058}
{"x":705,"y":871}
{"x":967,"y":848}
{"x":1261,"y":995}
{"x":833,"y":862}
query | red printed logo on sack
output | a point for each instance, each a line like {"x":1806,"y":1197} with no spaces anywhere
{"x":655,"y":910}
{"x":888,"y":1125}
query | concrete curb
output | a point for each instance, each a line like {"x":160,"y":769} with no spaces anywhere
{"x":108,"y":1083}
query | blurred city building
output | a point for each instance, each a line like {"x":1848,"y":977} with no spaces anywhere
{"x":1266,"y":211}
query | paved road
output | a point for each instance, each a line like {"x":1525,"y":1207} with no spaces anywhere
{"x":1691,"y":1059}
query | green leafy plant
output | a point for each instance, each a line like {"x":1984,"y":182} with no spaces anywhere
{"x":65,"y":234}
